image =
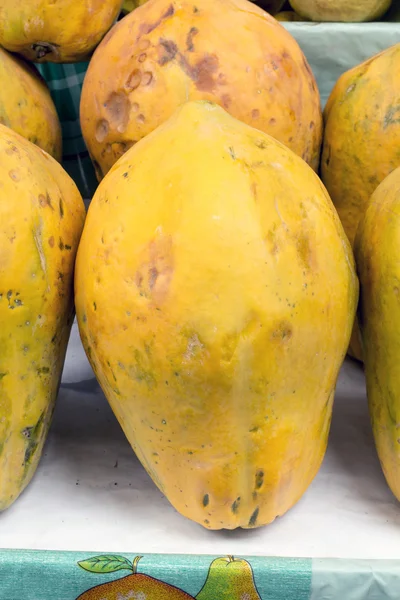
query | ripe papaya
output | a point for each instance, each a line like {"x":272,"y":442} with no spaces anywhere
{"x":341,"y":10}
{"x":41,"y":219}
{"x":215,"y":295}
{"x":167,"y":52}
{"x":26,"y":105}
{"x":376,"y":249}
{"x":59,"y":31}
{"x":362,"y":139}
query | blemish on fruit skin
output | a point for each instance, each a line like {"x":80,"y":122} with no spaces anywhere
{"x":146,"y":28}
{"x":259,"y":479}
{"x":15,"y":176}
{"x":235,"y":505}
{"x":254,"y":517}
{"x":206,"y":500}
{"x":102,"y":129}
{"x":189,"y":39}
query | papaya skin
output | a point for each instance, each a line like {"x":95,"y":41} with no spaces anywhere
{"x":362,"y":140}
{"x":288,"y":15}
{"x":376,"y":251}
{"x":130,"y":5}
{"x":341,"y":10}
{"x":26,"y":105}
{"x":61,"y":31}
{"x":215,"y":294}
{"x":167,"y":52}
{"x":41,"y":219}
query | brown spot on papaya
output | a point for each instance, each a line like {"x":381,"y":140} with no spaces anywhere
{"x":312,"y":125}
{"x":102,"y":129}
{"x":134,"y":80}
{"x":61,"y":208}
{"x":272,"y":121}
{"x":255,"y":113}
{"x":146,"y":28}
{"x":140,"y":118}
{"x":189,"y":39}
{"x":154,"y":276}
{"x":142,"y":57}
{"x":221,"y":79}
{"x":204,"y":71}
{"x":168,"y":50}
{"x":15,"y":176}
{"x":45,"y":201}
{"x":147,"y":78}
{"x":226,"y":100}
{"x":117,"y":107}
{"x":206,"y":500}
{"x":51,"y":242}
{"x":284,"y":331}
{"x":135,"y":106}
{"x":143,"y":45}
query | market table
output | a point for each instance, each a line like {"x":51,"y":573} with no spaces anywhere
{"x":91,"y":498}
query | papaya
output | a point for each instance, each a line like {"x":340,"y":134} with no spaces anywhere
{"x":215,"y":293}
{"x":362,"y":139}
{"x":41,"y":219}
{"x":341,"y":10}
{"x":376,"y":249}
{"x":167,"y":52}
{"x":130,"y":5}
{"x":288,"y":15}
{"x":61,"y":31}
{"x":26,"y":105}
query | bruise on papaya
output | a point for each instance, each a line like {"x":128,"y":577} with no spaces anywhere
{"x":146,"y":28}
{"x":189,"y":40}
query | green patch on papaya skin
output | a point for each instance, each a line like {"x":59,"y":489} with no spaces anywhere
{"x":2,"y":375}
{"x":33,"y":436}
{"x":235,"y":505}
{"x":392,"y":116}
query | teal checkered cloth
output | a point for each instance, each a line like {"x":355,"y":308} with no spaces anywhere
{"x":65,"y":83}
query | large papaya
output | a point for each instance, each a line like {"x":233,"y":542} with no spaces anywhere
{"x":341,"y":10}
{"x":362,"y":139}
{"x":167,"y":52}
{"x":26,"y":105}
{"x":41,"y":218}
{"x":215,"y":294}
{"x":59,"y":31}
{"x":376,"y":249}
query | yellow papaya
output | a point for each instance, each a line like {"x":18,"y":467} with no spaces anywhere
{"x":288,"y":15}
{"x":215,"y":293}
{"x":130,"y":5}
{"x":376,"y":249}
{"x":41,"y":218}
{"x":59,"y":31}
{"x":362,"y":139}
{"x":341,"y":10}
{"x":167,"y":52}
{"x":26,"y":105}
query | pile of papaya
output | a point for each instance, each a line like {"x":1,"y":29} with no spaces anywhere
{"x":240,"y":243}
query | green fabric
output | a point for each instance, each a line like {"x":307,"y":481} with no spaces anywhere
{"x":65,"y":84}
